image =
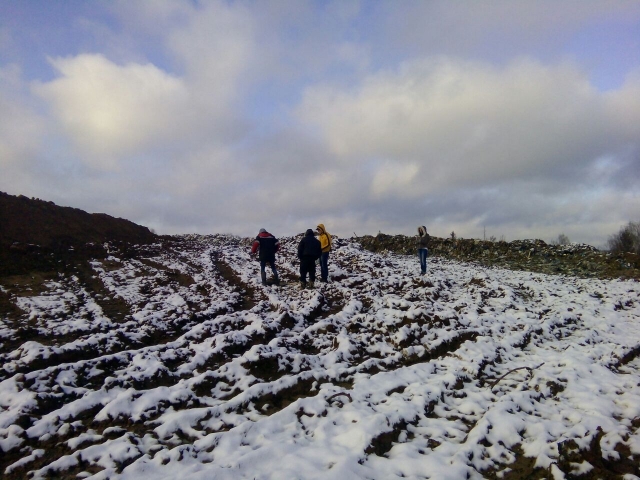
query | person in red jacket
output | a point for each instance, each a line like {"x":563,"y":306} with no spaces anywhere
{"x":266,"y":245}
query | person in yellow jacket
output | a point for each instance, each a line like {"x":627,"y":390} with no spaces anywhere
{"x":325,"y":244}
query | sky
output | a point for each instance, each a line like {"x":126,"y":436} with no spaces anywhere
{"x":508,"y":119}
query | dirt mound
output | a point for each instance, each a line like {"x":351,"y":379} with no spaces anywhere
{"x":577,"y":260}
{"x":34,"y":231}
{"x":33,"y":221}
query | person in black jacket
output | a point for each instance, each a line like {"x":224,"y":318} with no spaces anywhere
{"x":423,"y":242}
{"x":309,"y":250}
{"x":266,"y":245}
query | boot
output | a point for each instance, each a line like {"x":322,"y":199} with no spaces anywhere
{"x":311,"y":284}
{"x":303,"y":285}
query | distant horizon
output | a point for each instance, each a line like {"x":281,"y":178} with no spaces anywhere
{"x":285,"y":235}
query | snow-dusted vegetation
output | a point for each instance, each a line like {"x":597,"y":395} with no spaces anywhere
{"x":175,"y":362}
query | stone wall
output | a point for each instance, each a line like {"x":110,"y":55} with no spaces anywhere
{"x":578,"y":260}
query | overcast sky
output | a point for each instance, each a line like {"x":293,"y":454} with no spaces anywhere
{"x":520,"y":119}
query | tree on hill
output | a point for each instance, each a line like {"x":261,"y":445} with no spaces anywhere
{"x":561,"y":240}
{"x":627,"y":240}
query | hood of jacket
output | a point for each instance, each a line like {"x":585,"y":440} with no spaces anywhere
{"x":321,"y":228}
{"x":309,"y":233}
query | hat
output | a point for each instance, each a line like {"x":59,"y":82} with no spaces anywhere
{"x":262,"y":230}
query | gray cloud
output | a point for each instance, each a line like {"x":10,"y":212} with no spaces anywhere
{"x":496,"y":30}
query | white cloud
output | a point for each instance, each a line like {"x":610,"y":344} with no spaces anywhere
{"x":624,"y":106}
{"x":471,"y":124}
{"x":217,"y":49}
{"x":393,"y":179}
{"x":111,"y":111}
{"x":21,"y":128}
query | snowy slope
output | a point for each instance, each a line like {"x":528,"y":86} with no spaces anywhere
{"x":178,"y":363}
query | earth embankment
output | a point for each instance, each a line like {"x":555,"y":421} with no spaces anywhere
{"x":39,"y":235}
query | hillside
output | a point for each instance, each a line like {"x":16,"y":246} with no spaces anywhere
{"x":33,"y":231}
{"x":170,"y":360}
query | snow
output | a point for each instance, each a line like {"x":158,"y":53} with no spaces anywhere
{"x":381,"y":373}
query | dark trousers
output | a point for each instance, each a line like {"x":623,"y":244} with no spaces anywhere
{"x":423,"y":253}
{"x":263,"y":273}
{"x":324,"y":266}
{"x":307,"y":265}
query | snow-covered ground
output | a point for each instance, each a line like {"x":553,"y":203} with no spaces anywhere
{"x":178,"y":363}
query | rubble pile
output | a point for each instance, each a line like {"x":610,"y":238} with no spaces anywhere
{"x":579,"y":260}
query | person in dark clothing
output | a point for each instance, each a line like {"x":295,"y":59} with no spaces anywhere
{"x":309,"y":250}
{"x":423,"y":247}
{"x":266,"y":245}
